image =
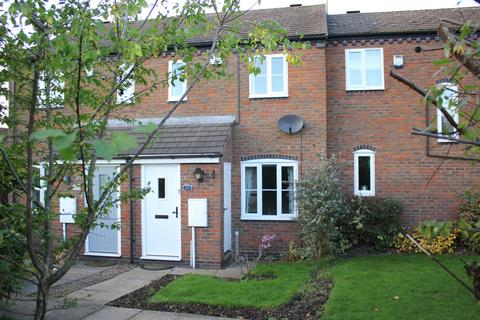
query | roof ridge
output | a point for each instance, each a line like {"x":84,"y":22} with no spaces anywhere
{"x":404,"y":11}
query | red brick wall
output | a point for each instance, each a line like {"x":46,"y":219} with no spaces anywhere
{"x":427,"y":187}
{"x":256,"y":133}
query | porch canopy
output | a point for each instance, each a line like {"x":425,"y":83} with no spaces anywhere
{"x":180,"y":137}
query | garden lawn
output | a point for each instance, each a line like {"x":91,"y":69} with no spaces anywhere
{"x":399,"y":287}
{"x":194,"y":288}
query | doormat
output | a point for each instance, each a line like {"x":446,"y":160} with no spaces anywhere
{"x":156,"y":267}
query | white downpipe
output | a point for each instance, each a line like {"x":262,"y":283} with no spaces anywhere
{"x":64,"y":231}
{"x":193,"y":247}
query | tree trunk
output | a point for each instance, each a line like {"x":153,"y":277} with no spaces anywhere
{"x":43,"y":289}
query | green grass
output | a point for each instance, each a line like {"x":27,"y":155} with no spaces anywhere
{"x":366,"y":287}
{"x":194,"y":288}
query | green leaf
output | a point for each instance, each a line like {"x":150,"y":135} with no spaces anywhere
{"x":64,"y":142}
{"x":104,"y":149}
{"x":148,"y":128}
{"x":123,"y":141}
{"x":46,"y":133}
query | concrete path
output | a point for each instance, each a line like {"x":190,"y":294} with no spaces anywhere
{"x":90,"y":303}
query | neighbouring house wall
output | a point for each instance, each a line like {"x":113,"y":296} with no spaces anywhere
{"x":429,"y":188}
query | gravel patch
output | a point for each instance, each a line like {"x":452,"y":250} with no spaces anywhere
{"x":75,"y":285}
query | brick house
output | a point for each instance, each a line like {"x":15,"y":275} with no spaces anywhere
{"x":224,"y":150}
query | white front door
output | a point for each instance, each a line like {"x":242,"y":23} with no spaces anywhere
{"x":161,"y":228}
{"x":227,"y":206}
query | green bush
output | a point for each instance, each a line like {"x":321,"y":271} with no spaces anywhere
{"x":372,"y":221}
{"x":321,"y":205}
{"x":468,"y":223}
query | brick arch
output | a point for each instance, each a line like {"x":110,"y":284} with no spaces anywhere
{"x":364,"y":147}
{"x":268,"y":156}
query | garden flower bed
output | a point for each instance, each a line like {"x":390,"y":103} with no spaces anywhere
{"x":292,"y":294}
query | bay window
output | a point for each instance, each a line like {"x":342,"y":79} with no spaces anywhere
{"x":268,"y":189}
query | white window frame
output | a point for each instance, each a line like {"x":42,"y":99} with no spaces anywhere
{"x":363,"y":86}
{"x":371,"y":155}
{"x":129,"y":92}
{"x":270,"y":93}
{"x":453,"y":113}
{"x":258,"y":164}
{"x":171,"y":97}
{"x":41,"y":88}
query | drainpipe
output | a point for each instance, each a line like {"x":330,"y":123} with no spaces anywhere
{"x":132,"y":240}
{"x":238,"y":88}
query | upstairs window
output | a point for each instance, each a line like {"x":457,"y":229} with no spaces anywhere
{"x":272,"y":81}
{"x":50,"y":87}
{"x":268,"y":189}
{"x":364,"y":69}
{"x":126,"y":91}
{"x":364,"y":174}
{"x":449,"y":100}
{"x":177,"y":85}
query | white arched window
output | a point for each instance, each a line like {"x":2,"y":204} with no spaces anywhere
{"x":364,"y":172}
{"x":268,"y":189}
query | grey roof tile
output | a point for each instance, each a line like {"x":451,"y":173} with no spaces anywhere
{"x":196,"y":138}
{"x":396,"y":22}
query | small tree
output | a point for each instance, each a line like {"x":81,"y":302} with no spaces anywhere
{"x":321,"y":204}
{"x":45,"y":51}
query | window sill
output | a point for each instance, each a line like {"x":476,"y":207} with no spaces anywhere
{"x":267,"y":218}
{"x":365,"y":194}
{"x":170,"y":100}
{"x":268,"y":96}
{"x":365,"y":89}
{"x":446,"y":141}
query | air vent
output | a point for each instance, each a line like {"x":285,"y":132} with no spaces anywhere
{"x":354,"y":11}
{"x":295,"y":5}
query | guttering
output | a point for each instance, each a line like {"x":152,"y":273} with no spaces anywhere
{"x":346,"y":36}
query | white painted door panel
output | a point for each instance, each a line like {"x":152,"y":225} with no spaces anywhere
{"x":161,"y":212}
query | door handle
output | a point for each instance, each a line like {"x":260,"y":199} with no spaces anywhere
{"x":175,"y":212}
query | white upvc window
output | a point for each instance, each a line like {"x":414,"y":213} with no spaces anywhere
{"x":364,"y":172}
{"x":449,"y":99}
{"x":4,"y":105}
{"x":178,"y":86}
{"x":39,"y":184}
{"x":272,"y":81}
{"x":50,"y":89}
{"x":268,"y":189}
{"x":364,"y":69}
{"x":126,"y":91}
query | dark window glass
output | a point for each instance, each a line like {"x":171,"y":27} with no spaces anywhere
{"x":269,"y":203}
{"x":364,"y":173}
{"x":287,"y":202}
{"x":269,"y":177}
{"x":161,"y":188}
{"x":251,"y":200}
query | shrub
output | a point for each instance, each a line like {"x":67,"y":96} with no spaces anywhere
{"x":372,"y":221}
{"x":322,"y":204}
{"x":436,"y":237}
{"x":468,"y":222}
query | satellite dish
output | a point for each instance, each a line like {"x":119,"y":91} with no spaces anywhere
{"x":290,"y":123}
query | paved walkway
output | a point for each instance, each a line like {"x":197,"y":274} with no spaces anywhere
{"x":90,"y":303}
